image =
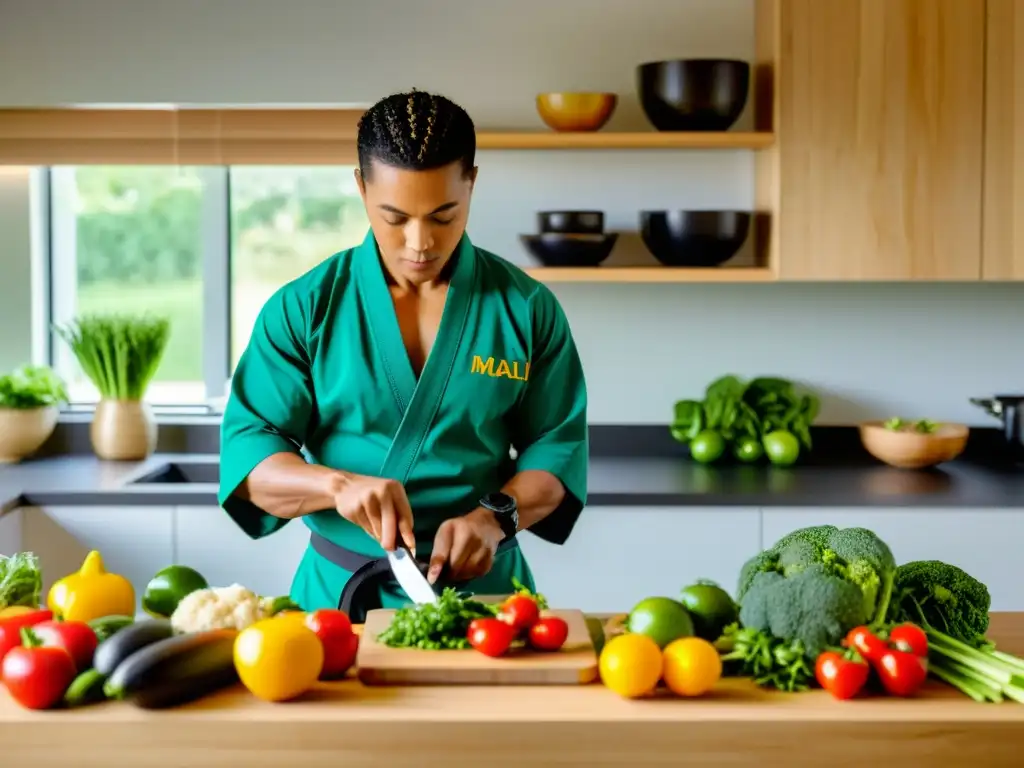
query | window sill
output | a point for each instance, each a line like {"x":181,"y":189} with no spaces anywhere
{"x":82,"y":413}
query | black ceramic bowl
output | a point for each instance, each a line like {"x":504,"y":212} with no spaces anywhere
{"x":573,"y":222}
{"x":694,"y":238}
{"x":693,"y":94}
{"x":569,"y":250}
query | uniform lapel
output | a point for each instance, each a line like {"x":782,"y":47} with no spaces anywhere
{"x":417,"y":401}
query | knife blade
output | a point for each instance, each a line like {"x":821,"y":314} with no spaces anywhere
{"x":409,"y":576}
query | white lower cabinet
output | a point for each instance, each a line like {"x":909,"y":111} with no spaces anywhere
{"x":617,"y":556}
{"x":985,"y":543}
{"x":134,"y":541}
{"x":207,"y":539}
{"x":10,"y":532}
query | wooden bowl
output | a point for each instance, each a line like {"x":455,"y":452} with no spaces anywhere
{"x":576,"y":111}
{"x":908,"y":449}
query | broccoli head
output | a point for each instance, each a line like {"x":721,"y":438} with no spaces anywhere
{"x":813,"y":605}
{"x":944,"y":597}
{"x":854,"y":557}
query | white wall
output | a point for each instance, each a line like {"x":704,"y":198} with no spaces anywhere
{"x":873,"y":350}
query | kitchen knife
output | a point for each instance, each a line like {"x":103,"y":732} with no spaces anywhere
{"x":409,"y":576}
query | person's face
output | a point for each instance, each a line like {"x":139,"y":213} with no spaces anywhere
{"x":417,"y":217}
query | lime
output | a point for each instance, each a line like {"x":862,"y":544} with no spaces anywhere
{"x":168,"y":587}
{"x":782,"y":447}
{"x":748,"y":450}
{"x":710,"y":607}
{"x":660,"y":618}
{"x":708,"y":446}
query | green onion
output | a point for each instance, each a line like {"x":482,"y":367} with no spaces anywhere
{"x":119,"y":354}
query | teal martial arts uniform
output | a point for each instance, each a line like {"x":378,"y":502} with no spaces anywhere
{"x":326,"y":369}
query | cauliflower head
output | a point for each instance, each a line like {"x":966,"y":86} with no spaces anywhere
{"x":233,"y":607}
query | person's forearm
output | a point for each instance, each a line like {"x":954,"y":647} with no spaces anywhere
{"x":285,"y":485}
{"x":537,"y":494}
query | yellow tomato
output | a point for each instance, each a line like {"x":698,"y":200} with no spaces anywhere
{"x":692,"y":666}
{"x":631,"y":665}
{"x":278,"y":659}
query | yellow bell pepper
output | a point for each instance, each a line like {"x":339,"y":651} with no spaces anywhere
{"x":279,"y":658}
{"x":91,"y":593}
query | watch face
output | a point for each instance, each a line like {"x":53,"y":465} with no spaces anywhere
{"x":499,"y":501}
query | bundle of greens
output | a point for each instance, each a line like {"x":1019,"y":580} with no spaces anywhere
{"x":769,"y":661}
{"x":21,"y":580}
{"x":736,"y":409}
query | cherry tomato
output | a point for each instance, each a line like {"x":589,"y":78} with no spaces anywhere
{"x":910,"y":638}
{"x":842,"y":677}
{"x":902,"y":673}
{"x":520,"y":611}
{"x":491,"y":637}
{"x":869,"y":645}
{"x":334,"y":628}
{"x":75,"y":637}
{"x":37,"y":676}
{"x":548,"y":633}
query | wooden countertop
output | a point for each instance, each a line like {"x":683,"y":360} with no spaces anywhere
{"x":346,"y":724}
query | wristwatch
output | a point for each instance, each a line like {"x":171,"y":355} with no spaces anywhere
{"x":505,"y":510}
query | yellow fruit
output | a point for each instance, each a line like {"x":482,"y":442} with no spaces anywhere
{"x":692,"y":666}
{"x":278,"y":659}
{"x":631,"y":665}
{"x":91,"y":593}
{"x":16,"y":610}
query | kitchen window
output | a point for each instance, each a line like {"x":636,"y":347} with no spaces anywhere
{"x":206,"y":246}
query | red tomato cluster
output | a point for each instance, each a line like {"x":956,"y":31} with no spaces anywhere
{"x":898,"y":659}
{"x":519,"y":618}
{"x":40,"y":657}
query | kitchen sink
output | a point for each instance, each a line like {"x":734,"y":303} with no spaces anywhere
{"x":179,"y":472}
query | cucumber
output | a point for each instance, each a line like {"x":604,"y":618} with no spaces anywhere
{"x":106,"y":626}
{"x":87,"y":688}
{"x":176,"y":670}
{"x":126,"y":641}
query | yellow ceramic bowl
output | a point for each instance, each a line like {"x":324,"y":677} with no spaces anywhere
{"x":576,"y":111}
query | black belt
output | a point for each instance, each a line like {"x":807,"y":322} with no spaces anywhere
{"x":361,"y":593}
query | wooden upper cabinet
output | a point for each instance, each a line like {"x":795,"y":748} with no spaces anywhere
{"x":881,"y":119}
{"x":1004,"y":143}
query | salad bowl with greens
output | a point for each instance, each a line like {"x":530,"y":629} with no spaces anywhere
{"x":30,"y":400}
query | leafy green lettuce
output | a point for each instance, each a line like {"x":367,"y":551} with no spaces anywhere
{"x":21,"y":580}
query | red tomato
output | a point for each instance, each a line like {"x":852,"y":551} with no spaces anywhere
{"x":843,"y":678}
{"x":75,"y":637}
{"x":334,"y":628}
{"x":520,"y":611}
{"x":902,"y":673}
{"x":549,"y":633}
{"x":491,"y":637}
{"x":10,"y":628}
{"x":866,"y":643}
{"x":37,"y":677}
{"x":910,"y":638}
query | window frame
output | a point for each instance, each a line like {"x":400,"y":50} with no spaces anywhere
{"x":57,"y":244}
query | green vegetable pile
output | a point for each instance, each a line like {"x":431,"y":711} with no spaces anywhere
{"x":31,"y":386}
{"x":21,"y":580}
{"x":803,"y":595}
{"x":765,"y":415}
{"x":436,"y":626}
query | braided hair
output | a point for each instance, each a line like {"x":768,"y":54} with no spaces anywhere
{"x":416,"y":131}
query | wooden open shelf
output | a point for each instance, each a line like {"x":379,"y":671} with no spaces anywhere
{"x":638,"y":140}
{"x":652,"y":274}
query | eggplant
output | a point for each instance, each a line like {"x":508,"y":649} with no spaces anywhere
{"x":176,"y":670}
{"x":126,"y":641}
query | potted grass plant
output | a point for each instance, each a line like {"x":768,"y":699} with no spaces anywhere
{"x":30,"y":399}
{"x":120,"y":355}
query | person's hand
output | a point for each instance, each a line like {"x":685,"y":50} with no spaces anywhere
{"x":467,"y":544}
{"x":380,"y":507}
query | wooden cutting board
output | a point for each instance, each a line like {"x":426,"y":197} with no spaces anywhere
{"x":574,"y":664}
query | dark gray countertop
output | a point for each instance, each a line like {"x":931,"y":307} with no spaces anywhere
{"x":83,"y":480}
